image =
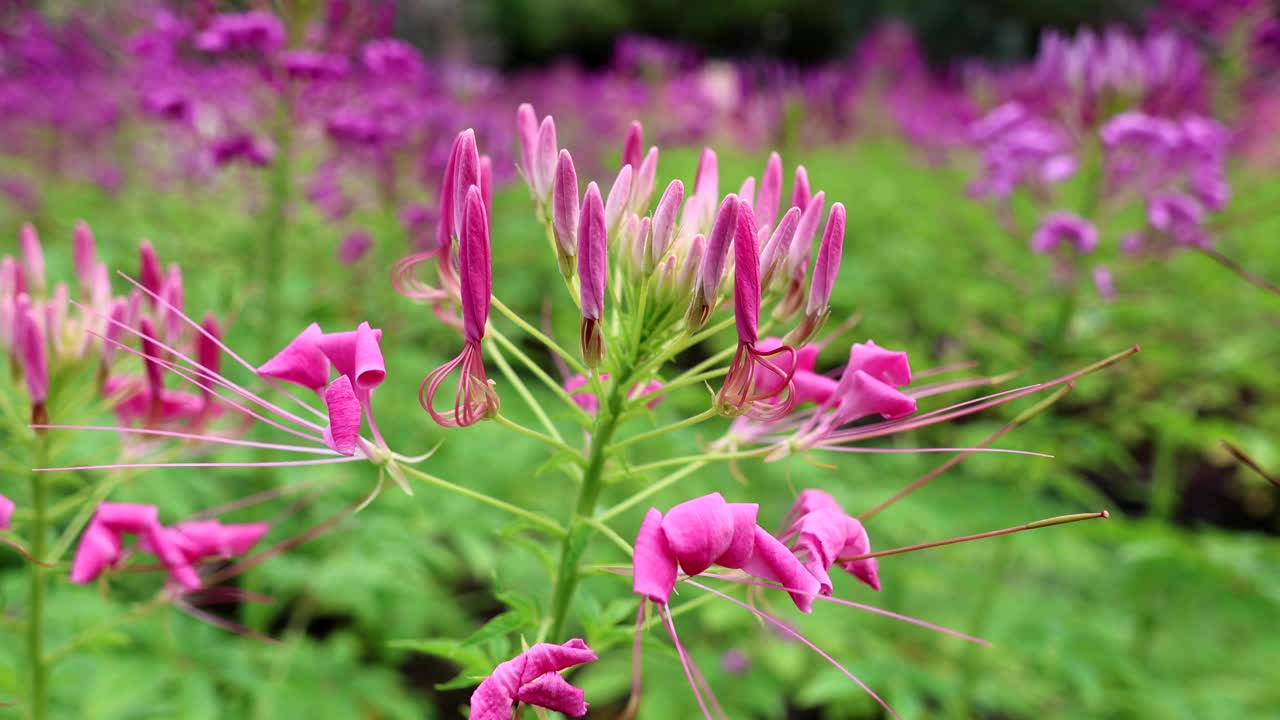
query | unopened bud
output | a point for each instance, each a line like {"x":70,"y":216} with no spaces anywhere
{"x":619,"y":198}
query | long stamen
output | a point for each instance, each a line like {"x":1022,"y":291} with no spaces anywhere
{"x":129,"y":466}
{"x":222,"y":346}
{"x":1250,"y":463}
{"x":851,"y":604}
{"x":786,"y":629}
{"x":191,"y":436}
{"x":854,"y":449}
{"x":1048,"y":522}
{"x":952,"y":462}
{"x":685,"y":660}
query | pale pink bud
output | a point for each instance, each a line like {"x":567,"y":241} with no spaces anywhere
{"x":718,"y":244}
{"x":828,"y":264}
{"x":84,"y":251}
{"x":466,"y":174}
{"x":639,"y":243}
{"x":633,"y":145}
{"x":544,"y":160}
{"x":666,"y":285}
{"x":802,"y":243}
{"x":564,"y":205}
{"x":706,"y":181}
{"x":770,"y":195}
{"x":800,"y":194}
{"x":643,"y":184}
{"x":527,"y":130}
{"x":778,"y":247}
{"x":8,"y":322}
{"x":55,"y":316}
{"x":32,"y":259}
{"x":619,"y":195}
{"x":747,"y":193}
{"x":11,"y":281}
{"x":593,"y":257}
{"x":664,"y":219}
{"x":691,"y":264}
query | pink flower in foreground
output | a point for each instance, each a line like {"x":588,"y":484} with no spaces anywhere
{"x":823,"y":533}
{"x":475,"y":399}
{"x":6,"y":512}
{"x":533,"y":678}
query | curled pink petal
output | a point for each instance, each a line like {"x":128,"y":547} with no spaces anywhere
{"x":531,"y":677}
{"x":6,"y":512}
{"x":355,"y":354}
{"x":699,"y":531}
{"x":98,"y":550}
{"x":345,"y":415}
{"x":888,"y":366}
{"x":654,"y":576}
{"x":301,"y":362}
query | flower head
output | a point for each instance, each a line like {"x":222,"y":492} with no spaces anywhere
{"x":533,"y":678}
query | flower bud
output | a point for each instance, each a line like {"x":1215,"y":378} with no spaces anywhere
{"x":778,"y":247}
{"x":55,"y":321}
{"x":800,"y":194}
{"x":643,"y":183}
{"x":770,"y":195}
{"x":827,"y":267}
{"x":619,"y":197}
{"x":633,"y":145}
{"x":33,"y":355}
{"x":466,"y":171}
{"x":687,"y":280}
{"x":747,"y":192}
{"x":565,"y":212}
{"x":664,"y":220}
{"x":544,"y":161}
{"x":666,"y":282}
{"x":486,"y":183}
{"x":527,"y":130}
{"x":150,"y":274}
{"x":84,"y":251}
{"x":640,"y":240}
{"x":802,"y":243}
{"x":32,"y":259}
{"x":593,"y":273}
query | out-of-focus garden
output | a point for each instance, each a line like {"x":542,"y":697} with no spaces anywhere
{"x":1030,"y":189}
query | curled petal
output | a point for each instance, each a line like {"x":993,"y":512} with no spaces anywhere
{"x":885,"y":365}
{"x":475,"y":399}
{"x":654,"y":575}
{"x":699,"y":531}
{"x":344,"y":416}
{"x":301,"y":362}
{"x":98,"y":550}
{"x":356,"y":354}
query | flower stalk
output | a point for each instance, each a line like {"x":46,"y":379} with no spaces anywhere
{"x":37,"y":665}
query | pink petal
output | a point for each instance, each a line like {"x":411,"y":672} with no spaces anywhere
{"x":717,"y":252}
{"x":127,"y":517}
{"x":173,"y":558}
{"x":553,"y":692}
{"x":546,"y":658}
{"x":887,"y":366}
{"x":771,"y":560}
{"x":770,"y":195}
{"x":240,"y":538}
{"x":654,"y":574}
{"x":301,"y":362}
{"x":593,"y":257}
{"x":476,"y":268}
{"x":827,"y":267}
{"x":344,"y":416}
{"x":527,"y":130}
{"x":746,"y":277}
{"x":356,"y":354}
{"x":6,"y":512}
{"x":664,"y":219}
{"x":565,"y":208}
{"x":99,"y":549}
{"x":699,"y":531}
{"x":800,"y":194}
{"x":742,"y":545}
{"x":864,"y":395}
{"x":633,"y":145}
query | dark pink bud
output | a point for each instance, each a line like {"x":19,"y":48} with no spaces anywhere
{"x":475,"y":266}
{"x":564,"y":205}
{"x":467,"y":169}
{"x":445,"y":227}
{"x":664,"y":219}
{"x":33,"y":351}
{"x":800,"y":194}
{"x":713,"y":262}
{"x":32,"y":259}
{"x":150,"y":274}
{"x":344,"y":416}
{"x":593,"y":268}
{"x":633,"y":146}
{"x":84,"y":251}
{"x":746,"y":277}
{"x":208,"y":354}
{"x":770,"y":195}
{"x":828,"y":265}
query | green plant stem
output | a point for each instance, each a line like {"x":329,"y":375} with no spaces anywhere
{"x":658,"y":432}
{"x":536,"y":518}
{"x":36,"y":665}
{"x":579,"y":532}
{"x":510,"y":424}
{"x":514,"y":317}
{"x":580,"y":415}
{"x":654,"y":488}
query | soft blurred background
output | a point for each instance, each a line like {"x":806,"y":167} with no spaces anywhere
{"x":286,"y":191}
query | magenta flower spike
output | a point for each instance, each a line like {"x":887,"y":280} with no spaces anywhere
{"x":770,"y":194}
{"x":301,"y":362}
{"x":754,"y":385}
{"x":714,"y":259}
{"x":663,"y":227}
{"x":343,"y":431}
{"x":533,"y":678}
{"x":565,"y":210}
{"x":593,"y":272}
{"x":85,"y":254}
{"x":633,"y":145}
{"x":6,"y":512}
{"x":32,"y":259}
{"x":475,"y":399}
{"x":800,"y":192}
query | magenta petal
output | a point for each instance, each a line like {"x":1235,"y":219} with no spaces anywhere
{"x":197,"y":539}
{"x":699,"y":531}
{"x":553,"y":692}
{"x":240,"y":538}
{"x":770,"y":195}
{"x":593,"y":253}
{"x":172,"y":556}
{"x":577,"y":388}
{"x":354,"y":353}
{"x":654,"y":574}
{"x":884,"y":365}
{"x":744,"y":533}
{"x":827,"y":266}
{"x":344,"y":416}
{"x":301,"y":362}
{"x":857,"y":542}
{"x":771,"y":560}
{"x":476,"y":268}
{"x":6,"y":512}
{"x":864,"y":395}
{"x":820,"y":537}
{"x":544,"y":658}
{"x":99,"y":549}
{"x":746,"y":277}
{"x":127,"y":517}
{"x":811,"y":387}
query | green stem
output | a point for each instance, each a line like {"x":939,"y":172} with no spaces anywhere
{"x":657,"y":432}
{"x":652,"y":489}
{"x":575,"y":540}
{"x":514,"y":317}
{"x":536,"y":518}
{"x":38,"y":668}
{"x":523,"y":391}
{"x":510,"y":424}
